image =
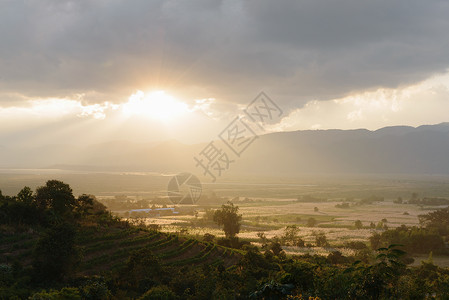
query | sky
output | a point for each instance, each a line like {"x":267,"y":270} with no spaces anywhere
{"x":87,"y":72}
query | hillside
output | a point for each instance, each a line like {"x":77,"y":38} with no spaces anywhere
{"x":109,"y":249}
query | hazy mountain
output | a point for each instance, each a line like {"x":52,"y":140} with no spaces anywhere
{"x":389,"y":150}
{"x":397,"y":149}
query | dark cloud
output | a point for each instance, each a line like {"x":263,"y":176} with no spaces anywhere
{"x":294,"y":50}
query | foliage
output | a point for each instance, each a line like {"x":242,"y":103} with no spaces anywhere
{"x":55,"y":195}
{"x":321,"y":239}
{"x":55,"y":254}
{"x":438,"y":219}
{"x":208,"y":237}
{"x":343,"y":205}
{"x":414,"y":239}
{"x":291,"y":237}
{"x":161,"y":292}
{"x":229,"y":218}
{"x":311,"y":222}
{"x":63,"y":294}
{"x":272,"y":290}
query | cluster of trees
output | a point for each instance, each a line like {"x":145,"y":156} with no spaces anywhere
{"x":310,"y":198}
{"x":371,"y":199}
{"x":431,"y":236}
{"x":54,"y":212}
{"x":343,"y":205}
{"x":53,"y":203}
{"x":437,"y":220}
{"x":431,"y":201}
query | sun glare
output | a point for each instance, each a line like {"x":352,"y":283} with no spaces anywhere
{"x":156,"y":105}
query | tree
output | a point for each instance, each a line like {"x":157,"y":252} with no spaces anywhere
{"x":55,"y":195}
{"x":375,"y":240}
{"x":89,"y":205}
{"x":358,"y":224}
{"x":277,"y":250}
{"x":143,"y":270}
{"x":228,"y":218}
{"x":438,"y":219}
{"x":321,"y":240}
{"x":311,"y":222}
{"x":208,"y":237}
{"x":55,"y":254}
{"x":291,"y":237}
{"x":25,"y":195}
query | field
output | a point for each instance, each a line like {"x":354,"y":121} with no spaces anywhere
{"x":271,"y":216}
{"x":269,"y":204}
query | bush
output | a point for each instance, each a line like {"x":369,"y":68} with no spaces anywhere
{"x":355,"y":245}
{"x":321,"y":239}
{"x":342,"y":205}
{"x":335,"y":257}
{"x":160,"y":292}
{"x":311,"y":222}
{"x":207,"y":237}
{"x":63,"y":294}
{"x":415,"y":240}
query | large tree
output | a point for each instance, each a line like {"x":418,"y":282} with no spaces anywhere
{"x":229,"y":218}
{"x":438,"y":219}
{"x":55,"y":195}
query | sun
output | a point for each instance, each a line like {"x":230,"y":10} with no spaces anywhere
{"x":156,"y":105}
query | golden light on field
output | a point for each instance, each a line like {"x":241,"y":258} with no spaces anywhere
{"x":156,"y":105}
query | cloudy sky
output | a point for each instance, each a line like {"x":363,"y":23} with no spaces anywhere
{"x":93,"y":71}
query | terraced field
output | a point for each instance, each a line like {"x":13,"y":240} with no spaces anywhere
{"x":105,"y":249}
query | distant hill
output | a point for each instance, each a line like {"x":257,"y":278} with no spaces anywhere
{"x":397,"y":149}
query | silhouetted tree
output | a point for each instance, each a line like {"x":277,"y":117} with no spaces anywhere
{"x":358,"y":224}
{"x":25,"y":195}
{"x":228,"y":218}
{"x":55,"y":195}
{"x":84,"y":204}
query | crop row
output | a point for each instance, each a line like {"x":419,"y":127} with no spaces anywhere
{"x":140,"y":239}
{"x":124,"y":252}
{"x":197,"y":258}
{"x":184,"y":247}
{"x":87,"y":239}
{"x":163,"y":243}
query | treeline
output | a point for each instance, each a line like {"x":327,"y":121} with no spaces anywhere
{"x":51,"y":204}
{"x":431,"y":236}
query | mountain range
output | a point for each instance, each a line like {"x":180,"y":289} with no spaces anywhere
{"x":397,"y":149}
